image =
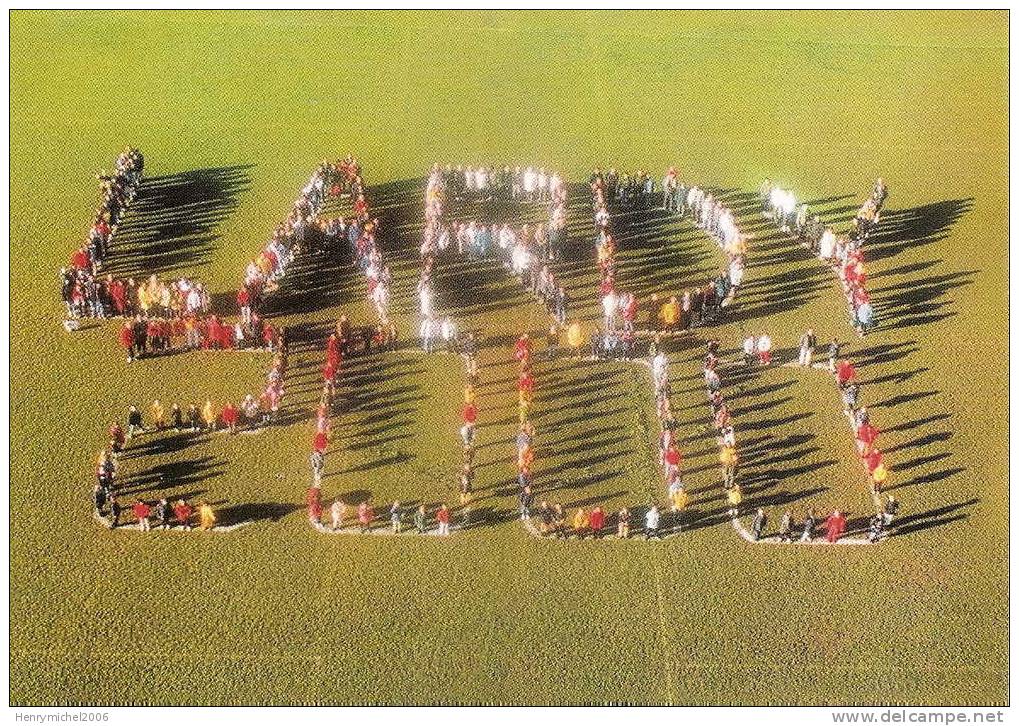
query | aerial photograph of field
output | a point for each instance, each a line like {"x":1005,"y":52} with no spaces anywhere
{"x":508,"y":357}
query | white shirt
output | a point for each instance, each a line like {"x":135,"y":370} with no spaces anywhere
{"x":610,"y":303}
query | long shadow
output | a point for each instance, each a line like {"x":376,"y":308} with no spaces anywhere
{"x":906,"y":229}
{"x":171,"y":224}
{"x":912,"y":523}
{"x":254,"y":512}
{"x":169,"y":475}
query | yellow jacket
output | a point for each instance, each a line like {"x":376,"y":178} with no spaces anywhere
{"x":670,"y":313}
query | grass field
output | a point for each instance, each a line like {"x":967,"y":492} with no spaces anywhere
{"x":234,"y":111}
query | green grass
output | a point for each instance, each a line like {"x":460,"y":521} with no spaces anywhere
{"x":275,"y":612}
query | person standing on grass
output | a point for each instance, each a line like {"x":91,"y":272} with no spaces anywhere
{"x":99,"y":497}
{"x":596,"y":522}
{"x":194,"y":418}
{"x":764,"y":349}
{"x":679,"y":499}
{"x":317,"y":463}
{"x":206,"y":518}
{"x":672,"y":460}
{"x":419,"y":519}
{"x":134,"y":422}
{"x":552,"y":342}
{"x":230,"y":417}
{"x":336,"y":512}
{"x":115,"y":510}
{"x":164,"y":513}
{"x":182,"y":512}
{"x":835,"y":526}
{"x":785,"y":529}
{"x":314,"y":501}
{"x":209,"y":415}
{"x":623,"y":523}
{"x":864,"y":316}
{"x":891,"y":509}
{"x":734,"y":496}
{"x":141,"y":513}
{"x":876,"y":528}
{"x":526,"y":500}
{"x":127,"y":340}
{"x":544,"y":518}
{"x":850,"y":399}
{"x":442,"y":517}
{"x":320,"y":442}
{"x":117,"y":438}
{"x":651,"y":521}
{"x":469,"y":414}
{"x":834,"y":349}
{"x":396,"y":517}
{"x":105,"y":470}
{"x":466,"y":484}
{"x":749,"y":350}
{"x":729,"y":460}
{"x":808,"y":341}
{"x":808,"y":526}
{"x":759,"y":523}
{"x":580,"y":523}
{"x":365,"y":515}
{"x":844,"y":373}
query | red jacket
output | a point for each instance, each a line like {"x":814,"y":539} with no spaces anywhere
{"x":867,"y":433}
{"x":229,"y":414}
{"x":80,"y":260}
{"x":846,"y":372}
{"x":126,"y":337}
{"x":597,"y":520}
{"x":141,"y":510}
{"x":442,"y":516}
{"x":470,"y":413}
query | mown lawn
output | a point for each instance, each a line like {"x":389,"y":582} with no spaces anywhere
{"x":235,"y":110}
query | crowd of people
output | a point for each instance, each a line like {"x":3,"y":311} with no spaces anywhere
{"x":108,"y":495}
{"x":842,"y":252}
{"x":552,"y":520}
{"x":168,"y":315}
{"x":250,"y":414}
{"x":148,"y":336}
{"x":628,"y":191}
{"x":620,"y":309}
{"x":90,"y":296}
{"x":83,"y":292}
{"x":302,"y":229}
{"x":527,"y":252}
{"x":864,"y":431}
{"x":339,"y":344}
{"x":487,"y":183}
{"x":718,"y":220}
